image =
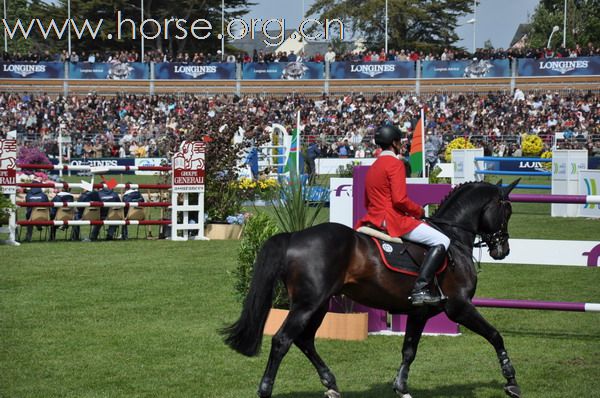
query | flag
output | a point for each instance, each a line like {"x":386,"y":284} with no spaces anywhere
{"x":417,"y":150}
{"x":292,"y":161}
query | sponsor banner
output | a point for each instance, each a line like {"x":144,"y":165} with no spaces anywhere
{"x":99,"y":162}
{"x":111,"y":71}
{"x":589,"y":184}
{"x":8,"y":166}
{"x":528,"y":166}
{"x":172,"y":70}
{"x":466,"y":69}
{"x":149,"y":162}
{"x":373,"y":70}
{"x":189,"y":167}
{"x":559,"y":66}
{"x":27,"y":70}
{"x":283,"y":71}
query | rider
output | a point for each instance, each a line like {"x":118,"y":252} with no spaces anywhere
{"x":390,"y":209}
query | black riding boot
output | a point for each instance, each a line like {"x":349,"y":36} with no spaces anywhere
{"x":421,"y":293}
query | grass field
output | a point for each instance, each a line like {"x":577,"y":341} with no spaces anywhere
{"x":138,"y":319}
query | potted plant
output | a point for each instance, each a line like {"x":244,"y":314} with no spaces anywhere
{"x":6,"y":207}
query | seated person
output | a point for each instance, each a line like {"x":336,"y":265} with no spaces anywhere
{"x":132,"y":195}
{"x":86,"y":196}
{"x":34,"y":195}
{"x":106,"y":195}
{"x":61,"y":197}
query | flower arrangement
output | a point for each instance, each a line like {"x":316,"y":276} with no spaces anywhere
{"x":263,"y":188}
{"x":547,"y":165}
{"x":457,"y":143}
{"x":239,"y":219}
{"x":531,"y":145}
{"x":31,"y":156}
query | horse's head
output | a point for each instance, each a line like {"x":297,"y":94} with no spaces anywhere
{"x":493,"y":223}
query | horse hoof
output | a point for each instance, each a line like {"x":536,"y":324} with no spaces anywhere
{"x":512,"y":390}
{"x":332,"y":394}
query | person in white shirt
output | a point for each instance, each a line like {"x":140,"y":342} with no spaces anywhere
{"x":330,"y":55}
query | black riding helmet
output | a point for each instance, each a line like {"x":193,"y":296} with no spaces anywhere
{"x":386,"y":134}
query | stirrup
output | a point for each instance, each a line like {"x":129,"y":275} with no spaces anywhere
{"x":422,"y":297}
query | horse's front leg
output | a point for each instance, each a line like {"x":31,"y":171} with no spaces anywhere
{"x":414,"y":329}
{"x":466,"y":314}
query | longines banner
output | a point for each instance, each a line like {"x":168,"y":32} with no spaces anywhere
{"x":111,"y":71}
{"x":283,"y":71}
{"x":372,"y":70}
{"x":580,"y":66}
{"x":27,"y":70}
{"x":466,"y":69}
{"x":217,"y":71}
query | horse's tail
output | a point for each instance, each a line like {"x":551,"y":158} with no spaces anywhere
{"x":245,"y":335}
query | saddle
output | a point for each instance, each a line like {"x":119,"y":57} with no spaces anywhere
{"x":397,"y":254}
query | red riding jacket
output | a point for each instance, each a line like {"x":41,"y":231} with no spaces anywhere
{"x":388,"y":205}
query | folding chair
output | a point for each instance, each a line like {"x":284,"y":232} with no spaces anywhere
{"x":114,"y":214}
{"x":91,"y":214}
{"x":38,"y":214}
{"x":62,"y":214}
{"x":137,"y":214}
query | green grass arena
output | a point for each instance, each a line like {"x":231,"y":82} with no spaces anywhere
{"x":139,"y":318}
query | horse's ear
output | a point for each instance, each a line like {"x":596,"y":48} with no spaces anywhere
{"x":499,"y":183}
{"x":506,"y":191}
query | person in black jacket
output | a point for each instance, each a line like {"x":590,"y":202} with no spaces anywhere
{"x":132,"y":195}
{"x":61,"y":197}
{"x":105,"y":195}
{"x":34,"y":195}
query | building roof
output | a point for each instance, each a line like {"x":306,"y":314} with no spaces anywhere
{"x":522,"y":30}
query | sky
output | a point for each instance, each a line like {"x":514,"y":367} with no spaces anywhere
{"x":497,"y":20}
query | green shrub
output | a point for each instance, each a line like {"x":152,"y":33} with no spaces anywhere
{"x":6,"y":207}
{"x":257,"y":230}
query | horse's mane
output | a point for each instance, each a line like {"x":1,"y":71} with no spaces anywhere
{"x":456,"y":190}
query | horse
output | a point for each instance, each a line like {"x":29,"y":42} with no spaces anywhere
{"x":330,"y":259}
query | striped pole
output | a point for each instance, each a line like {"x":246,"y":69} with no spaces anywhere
{"x":94,"y":204}
{"x":66,"y":185}
{"x":574,"y":199}
{"x":57,"y":223}
{"x":536,"y":305}
{"x":102,"y":169}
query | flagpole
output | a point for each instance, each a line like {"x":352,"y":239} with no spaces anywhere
{"x":425,"y":174}
{"x":298,"y":146}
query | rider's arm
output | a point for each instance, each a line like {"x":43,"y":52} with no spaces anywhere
{"x":400,"y":199}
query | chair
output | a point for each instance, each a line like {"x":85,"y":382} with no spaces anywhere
{"x":137,"y":214}
{"x":114,"y":214}
{"x":63,"y":214}
{"x":91,"y":214}
{"x":38,"y":214}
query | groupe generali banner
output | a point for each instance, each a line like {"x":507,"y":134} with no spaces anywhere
{"x":179,"y":71}
{"x":111,"y":71}
{"x":283,"y":70}
{"x":466,"y":69}
{"x":189,"y":167}
{"x":28,"y":70}
{"x":580,"y":66}
{"x":373,"y":70}
{"x":8,"y":166}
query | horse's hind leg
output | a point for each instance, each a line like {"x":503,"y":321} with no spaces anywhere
{"x":414,"y":329}
{"x":294,"y":325}
{"x":467,"y":315}
{"x":306,"y":343}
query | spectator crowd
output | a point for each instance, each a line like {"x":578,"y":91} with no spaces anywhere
{"x":446,"y":54}
{"x":147,"y":126}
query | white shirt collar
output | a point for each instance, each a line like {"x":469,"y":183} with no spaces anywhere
{"x":387,"y":153}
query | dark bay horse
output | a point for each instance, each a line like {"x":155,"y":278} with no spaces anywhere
{"x":329,"y":259}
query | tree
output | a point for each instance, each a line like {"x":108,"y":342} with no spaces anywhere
{"x":488,"y":45}
{"x":583,"y":23}
{"x":421,"y":24}
{"x":94,"y":10}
